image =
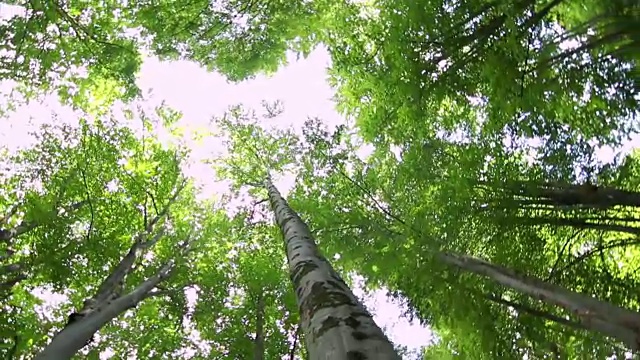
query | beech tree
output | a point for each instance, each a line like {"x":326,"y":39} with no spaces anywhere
{"x":110,"y":300}
{"x":332,"y":318}
{"x":592,"y":314}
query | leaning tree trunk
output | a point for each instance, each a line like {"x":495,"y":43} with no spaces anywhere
{"x":524,"y":309}
{"x":335,"y":323}
{"x":616,"y":322}
{"x":587,"y":196}
{"x":107,"y":304}
{"x":77,"y":334}
{"x":109,"y":301}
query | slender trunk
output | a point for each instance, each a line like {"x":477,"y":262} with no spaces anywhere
{"x":473,"y":16}
{"x":6,"y":235}
{"x":11,"y":274}
{"x":8,"y":252}
{"x":521,"y":308}
{"x":10,"y":268}
{"x":294,"y":346}
{"x":592,"y":196}
{"x":12,"y":211}
{"x":591,"y":44}
{"x":6,"y":286}
{"x":258,"y":353}
{"x":599,"y":249}
{"x":616,"y":322}
{"x":335,"y":323}
{"x":539,"y":15}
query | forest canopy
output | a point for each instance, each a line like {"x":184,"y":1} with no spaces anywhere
{"x":484,"y":173}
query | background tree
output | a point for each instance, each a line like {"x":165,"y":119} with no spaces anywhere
{"x":129,"y":188}
{"x":83,"y":48}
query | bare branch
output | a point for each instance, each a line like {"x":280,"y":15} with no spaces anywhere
{"x":149,"y":229}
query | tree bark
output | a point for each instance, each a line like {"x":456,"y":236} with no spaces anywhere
{"x":616,"y":322}
{"x":335,"y":323}
{"x":108,"y":302}
{"x":521,"y":308}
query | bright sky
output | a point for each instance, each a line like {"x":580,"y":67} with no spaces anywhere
{"x":302,"y":88}
{"x":199,"y":95}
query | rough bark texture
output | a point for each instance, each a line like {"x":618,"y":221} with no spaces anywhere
{"x":336,"y":325}
{"x":593,"y":314}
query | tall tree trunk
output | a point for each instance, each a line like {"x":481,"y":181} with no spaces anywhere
{"x":524,"y":309}
{"x":294,"y":346}
{"x":616,"y":322}
{"x":258,"y":353}
{"x":335,"y":323}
